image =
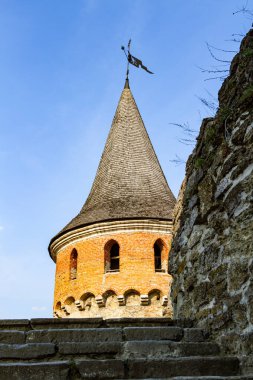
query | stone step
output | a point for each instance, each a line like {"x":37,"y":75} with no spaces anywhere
{"x":52,"y":323}
{"x":126,"y":350}
{"x":66,"y":323}
{"x":165,"y":349}
{"x":74,"y":335}
{"x":183,"y":369}
{"x":241,"y":377}
{"x":15,"y":324}
{"x":183,"y":366}
{"x":26,"y":351}
{"x":102,"y":334}
{"x":35,"y":371}
{"x":153,"y":333}
{"x":113,"y":334}
{"x":12,"y":336}
{"x":147,"y":322}
{"x":90,"y":348}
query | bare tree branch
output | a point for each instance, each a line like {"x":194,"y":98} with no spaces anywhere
{"x":221,"y":78}
{"x":244,"y":9}
{"x":178,"y":160}
{"x":211,"y":105}
{"x":233,"y":40}
{"x":214,"y":57}
{"x":185,"y":128}
{"x":187,"y":141}
{"x":226,"y":51}
{"x":212,"y":71}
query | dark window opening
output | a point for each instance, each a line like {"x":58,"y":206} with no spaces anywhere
{"x":114,"y":257}
{"x":158,"y":258}
{"x":73,"y":264}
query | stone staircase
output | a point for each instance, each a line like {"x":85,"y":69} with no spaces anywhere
{"x":52,"y":349}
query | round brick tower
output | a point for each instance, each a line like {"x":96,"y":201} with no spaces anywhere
{"x":112,"y":258}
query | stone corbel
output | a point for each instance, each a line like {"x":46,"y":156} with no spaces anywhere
{"x":144,"y":300}
{"x":64,"y":309}
{"x":121,"y":300}
{"x":78,"y":304}
{"x":100,"y":301}
{"x":165,"y":301}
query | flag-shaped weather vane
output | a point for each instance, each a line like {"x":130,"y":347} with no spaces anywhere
{"x":133,"y":60}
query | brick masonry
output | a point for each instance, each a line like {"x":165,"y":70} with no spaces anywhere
{"x":136,"y":290}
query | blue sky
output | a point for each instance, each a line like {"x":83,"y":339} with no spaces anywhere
{"x":61,"y":74}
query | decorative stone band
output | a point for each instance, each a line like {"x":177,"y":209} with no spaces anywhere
{"x":104,"y":228}
{"x":100,"y":301}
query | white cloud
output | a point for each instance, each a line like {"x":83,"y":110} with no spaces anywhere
{"x":39,"y":308}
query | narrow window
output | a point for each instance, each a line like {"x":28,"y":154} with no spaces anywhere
{"x":158,"y":258}
{"x":114,"y":257}
{"x":73,"y":264}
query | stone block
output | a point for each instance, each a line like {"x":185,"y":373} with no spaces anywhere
{"x":192,"y":366}
{"x":79,"y":305}
{"x":14,"y":324}
{"x":26,"y":351}
{"x":12,"y":336}
{"x":35,"y":371}
{"x":121,"y":300}
{"x":74,"y":335}
{"x":238,"y":274}
{"x":166,"y":349}
{"x":124,"y":322}
{"x":165,"y":301}
{"x":97,"y":369}
{"x":194,"y":335}
{"x":247,"y":364}
{"x":144,"y":299}
{"x":100,"y":301}
{"x":65,"y":323}
{"x":185,"y":323}
{"x":153,"y":333}
{"x":68,"y":348}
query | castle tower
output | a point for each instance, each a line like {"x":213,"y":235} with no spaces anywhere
{"x":112,"y":258}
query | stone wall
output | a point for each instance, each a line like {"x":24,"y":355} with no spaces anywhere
{"x":212,"y":254}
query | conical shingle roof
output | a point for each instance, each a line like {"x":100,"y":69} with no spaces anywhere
{"x":129,"y":182}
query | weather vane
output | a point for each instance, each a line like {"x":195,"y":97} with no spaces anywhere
{"x":133,"y":60}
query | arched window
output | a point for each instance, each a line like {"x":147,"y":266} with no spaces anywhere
{"x":158,"y":257}
{"x":112,"y":256}
{"x":73,"y":264}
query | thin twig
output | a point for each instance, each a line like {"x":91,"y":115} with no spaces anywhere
{"x":187,"y":141}
{"x":233,"y":40}
{"x":212,"y":71}
{"x":214,"y":57}
{"x":210,"y":105}
{"x":185,"y":127}
{"x":178,"y":160}
{"x":221,"y":78}
{"x":226,"y":51}
{"x":244,"y":10}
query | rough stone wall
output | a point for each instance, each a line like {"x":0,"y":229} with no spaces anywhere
{"x":135,"y":291}
{"x":212,"y":254}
